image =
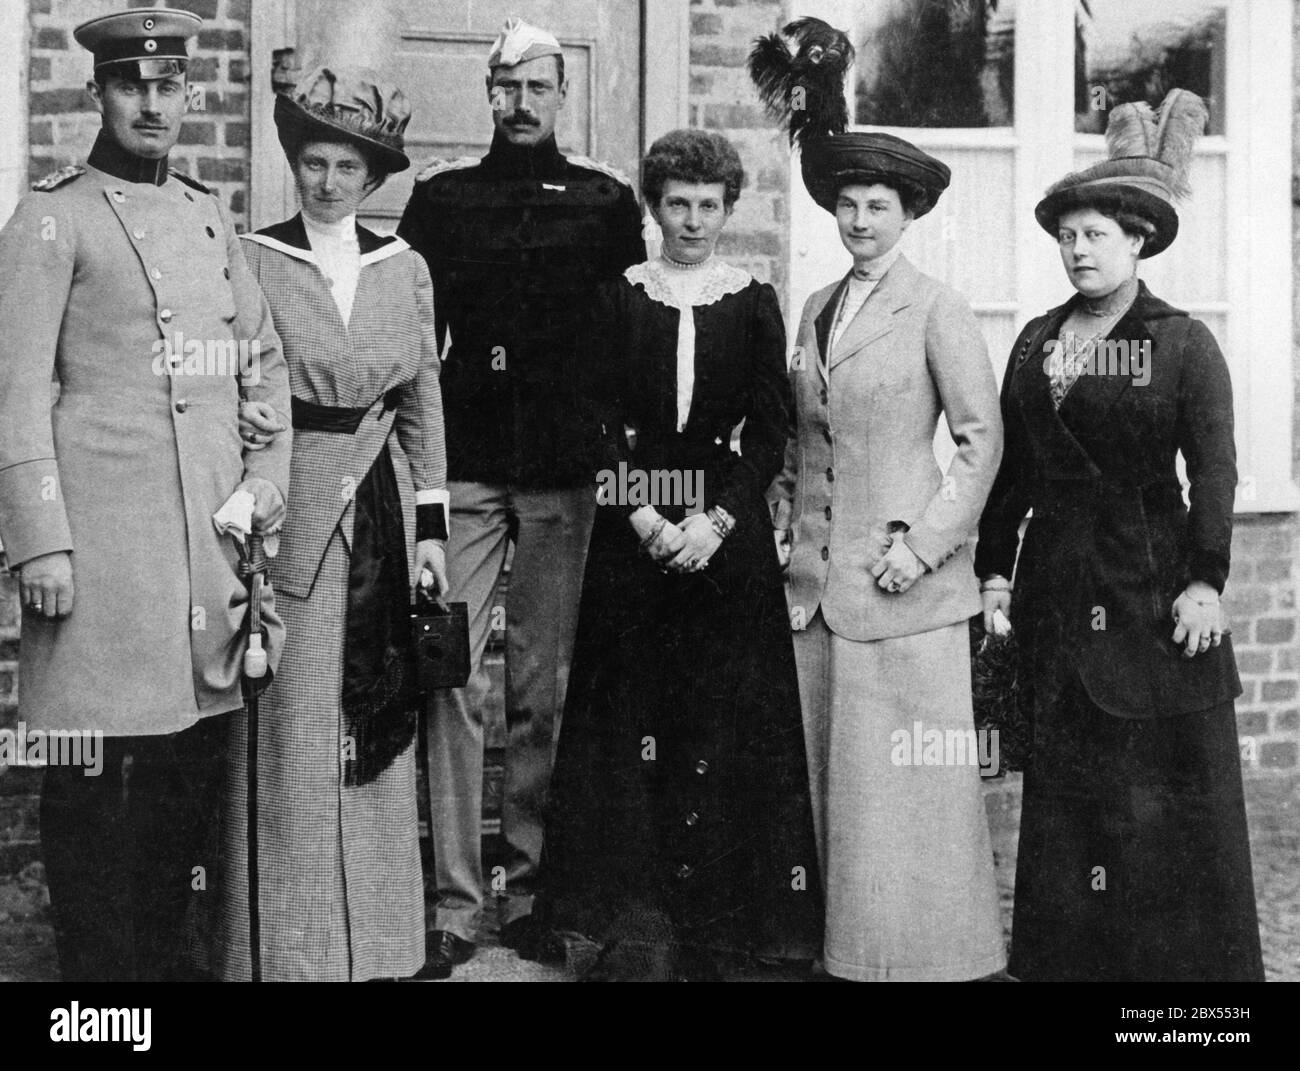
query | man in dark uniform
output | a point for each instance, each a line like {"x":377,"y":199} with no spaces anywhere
{"x":517,"y":243}
{"x":131,"y":599}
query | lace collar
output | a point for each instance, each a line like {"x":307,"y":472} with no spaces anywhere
{"x":720,"y":280}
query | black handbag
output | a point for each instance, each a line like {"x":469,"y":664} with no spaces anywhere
{"x":440,"y":633}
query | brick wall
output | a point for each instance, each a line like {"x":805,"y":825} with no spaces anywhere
{"x":723,"y":99}
{"x":214,"y":140}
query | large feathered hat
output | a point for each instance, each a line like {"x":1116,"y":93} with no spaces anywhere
{"x":336,"y":103}
{"x":803,"y":90}
{"x":1150,"y":151}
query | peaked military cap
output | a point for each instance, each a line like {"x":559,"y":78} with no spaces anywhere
{"x":142,"y":44}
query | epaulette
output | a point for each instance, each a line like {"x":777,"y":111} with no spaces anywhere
{"x":439,"y":166}
{"x":603,"y":168}
{"x":58,"y":178}
{"x":195,"y":183}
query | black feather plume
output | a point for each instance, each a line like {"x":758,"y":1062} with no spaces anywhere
{"x":804,"y":89}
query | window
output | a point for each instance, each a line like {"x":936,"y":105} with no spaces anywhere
{"x":935,"y":63}
{"x":1127,"y":52}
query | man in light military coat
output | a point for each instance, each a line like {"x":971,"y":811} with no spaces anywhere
{"x":131,"y":599}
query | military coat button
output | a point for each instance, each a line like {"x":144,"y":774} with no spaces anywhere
{"x":684,"y":871}
{"x":702,"y":767}
{"x":182,"y":405}
{"x":154,"y":273}
{"x":692,"y":818}
{"x":138,"y":233}
{"x":118,"y":196}
{"x":165,"y":315}
{"x":826,"y":553}
{"x":830,"y":474}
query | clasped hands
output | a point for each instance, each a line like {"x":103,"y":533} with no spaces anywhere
{"x":897,"y":568}
{"x":684,"y":548}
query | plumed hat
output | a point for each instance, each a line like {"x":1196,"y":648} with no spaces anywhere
{"x":335,"y":103}
{"x":804,"y":90}
{"x":1150,"y":151}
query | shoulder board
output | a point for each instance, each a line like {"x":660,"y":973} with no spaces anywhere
{"x":58,"y":178}
{"x":603,"y":168}
{"x":439,"y":166}
{"x":195,"y":183}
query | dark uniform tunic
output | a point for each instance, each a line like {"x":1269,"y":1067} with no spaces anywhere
{"x":516,"y":244}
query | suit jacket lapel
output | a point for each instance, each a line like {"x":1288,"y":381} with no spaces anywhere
{"x":822,"y":325}
{"x":876,"y":317}
{"x":1062,"y":454}
{"x":1093,"y":397}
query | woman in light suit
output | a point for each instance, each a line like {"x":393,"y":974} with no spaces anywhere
{"x":882,"y":584}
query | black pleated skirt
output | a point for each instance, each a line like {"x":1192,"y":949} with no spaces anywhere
{"x":1134,"y":859}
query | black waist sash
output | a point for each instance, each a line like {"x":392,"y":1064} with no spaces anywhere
{"x":380,"y":696}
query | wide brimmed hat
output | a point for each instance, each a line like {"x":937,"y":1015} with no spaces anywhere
{"x":345,"y":104}
{"x":802,"y":87}
{"x":830,"y":163}
{"x":1150,"y":154}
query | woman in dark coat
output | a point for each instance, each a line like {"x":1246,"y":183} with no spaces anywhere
{"x":1134,"y":863}
{"x":680,"y":826}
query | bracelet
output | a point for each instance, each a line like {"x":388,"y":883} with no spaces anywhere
{"x":723,"y":523}
{"x":654,"y":532}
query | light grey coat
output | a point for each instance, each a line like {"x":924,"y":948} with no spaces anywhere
{"x":127,"y":467}
{"x":863,"y":455}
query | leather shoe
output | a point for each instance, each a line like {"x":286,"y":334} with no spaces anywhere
{"x":533,"y":941}
{"x":443,"y":951}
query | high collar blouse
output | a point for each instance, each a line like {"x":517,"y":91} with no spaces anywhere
{"x":338,"y":256}
{"x":859,"y":289}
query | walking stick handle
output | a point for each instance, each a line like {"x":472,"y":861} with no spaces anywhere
{"x":254,"y":655}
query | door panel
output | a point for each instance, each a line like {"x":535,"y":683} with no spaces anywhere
{"x":437,"y":53}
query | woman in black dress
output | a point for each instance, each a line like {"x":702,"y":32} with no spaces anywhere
{"x":1134,"y":862}
{"x":680,"y":827}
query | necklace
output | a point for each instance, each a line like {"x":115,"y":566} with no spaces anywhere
{"x":681,"y":265}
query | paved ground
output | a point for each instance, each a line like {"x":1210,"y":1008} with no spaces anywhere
{"x":1273,"y":807}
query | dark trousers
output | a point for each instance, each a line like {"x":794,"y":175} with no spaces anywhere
{"x":121,"y":851}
